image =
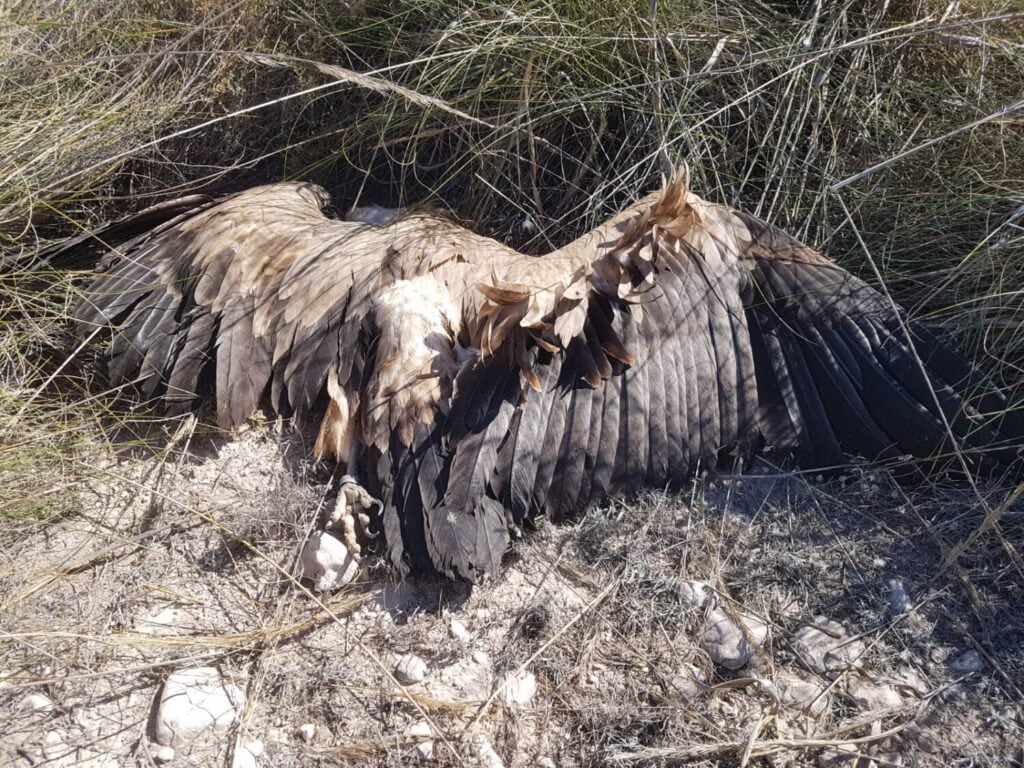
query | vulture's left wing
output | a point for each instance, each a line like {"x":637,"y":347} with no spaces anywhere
{"x":252,"y":294}
{"x":255,"y":297}
{"x":737,"y":337}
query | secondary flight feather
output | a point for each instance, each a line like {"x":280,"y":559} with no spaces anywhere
{"x":466,"y":388}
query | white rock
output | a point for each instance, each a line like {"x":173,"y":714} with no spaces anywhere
{"x":327,"y":562}
{"x":420,"y":729}
{"x":167,"y":620}
{"x":424,"y":750}
{"x":247,"y":755}
{"x":909,"y":681}
{"x":55,"y":749}
{"x":545,"y":762}
{"x":888,"y":759}
{"x":966,"y":663}
{"x":805,"y":696}
{"x":826,"y":647}
{"x":410,"y":669}
{"x":307,"y":731}
{"x":899,"y":601}
{"x":518,"y":689}
{"x":689,"y":681}
{"x":255,"y":747}
{"x":39,"y":703}
{"x":756,"y":629}
{"x":195,"y":703}
{"x":481,"y":658}
{"x":485,"y":754}
{"x":695,"y":594}
{"x":458,"y":631}
{"x":462,"y":682}
{"x":872,"y":695}
{"x":726,"y":642}
{"x":164,"y":754}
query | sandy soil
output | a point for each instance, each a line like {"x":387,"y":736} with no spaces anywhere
{"x":184,"y":558}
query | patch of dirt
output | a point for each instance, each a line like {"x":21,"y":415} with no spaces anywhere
{"x":185,"y":559}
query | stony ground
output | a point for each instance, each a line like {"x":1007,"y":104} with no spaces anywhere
{"x":765,"y":620}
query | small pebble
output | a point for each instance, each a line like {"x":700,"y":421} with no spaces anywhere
{"x":805,"y":696}
{"x":519,"y":689}
{"x":164,"y":754}
{"x":53,"y":743}
{"x":424,"y":750}
{"x":327,"y":562}
{"x":307,"y":731}
{"x":689,"y":682}
{"x":410,"y":669}
{"x":196,"y":703}
{"x":485,"y":754}
{"x":826,"y":647}
{"x":245,"y":757}
{"x":695,"y":594}
{"x":458,"y":631}
{"x":872,"y":695}
{"x":39,"y":703}
{"x":419,"y":729}
{"x":726,"y":642}
{"x":967,"y":663}
{"x":481,"y":658}
{"x":899,"y":601}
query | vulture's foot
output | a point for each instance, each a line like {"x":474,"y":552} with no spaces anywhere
{"x":352,"y":513}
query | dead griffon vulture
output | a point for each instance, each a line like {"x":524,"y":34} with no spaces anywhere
{"x":469,"y":387}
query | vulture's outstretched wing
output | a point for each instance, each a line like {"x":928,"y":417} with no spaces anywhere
{"x":229,"y":300}
{"x":481,"y":387}
{"x":841,"y":370}
{"x":746,"y":339}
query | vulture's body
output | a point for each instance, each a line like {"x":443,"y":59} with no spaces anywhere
{"x":472,"y":387}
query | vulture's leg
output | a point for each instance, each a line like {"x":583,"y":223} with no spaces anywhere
{"x":352,"y":508}
{"x":339,"y":439}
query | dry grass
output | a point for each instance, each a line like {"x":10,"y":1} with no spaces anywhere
{"x":598,"y":612}
{"x":889,"y":133}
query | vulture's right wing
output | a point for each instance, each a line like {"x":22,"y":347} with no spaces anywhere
{"x":843,"y":371}
{"x":746,"y":339}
